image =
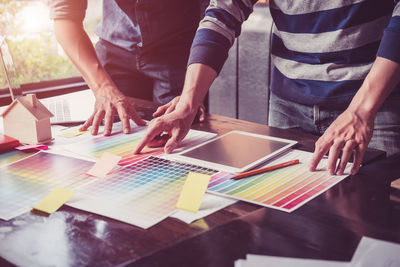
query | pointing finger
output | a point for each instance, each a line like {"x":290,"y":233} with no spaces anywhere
{"x":108,"y":122}
{"x":96,"y":121}
{"x":123,"y":116}
{"x":87,"y":124}
{"x":333,"y":157}
{"x":152,"y":132}
{"x":358,"y":156}
{"x":321,"y":149}
{"x":346,"y":154}
{"x":135,"y":117}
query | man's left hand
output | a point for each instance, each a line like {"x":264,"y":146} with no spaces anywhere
{"x":349,"y":133}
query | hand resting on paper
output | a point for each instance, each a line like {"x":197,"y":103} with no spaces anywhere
{"x":111,"y":102}
{"x":161,"y":138}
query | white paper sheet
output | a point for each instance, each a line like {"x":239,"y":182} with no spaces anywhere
{"x":369,"y":253}
{"x":209,"y":205}
{"x":262,"y":261}
{"x":376,"y":253}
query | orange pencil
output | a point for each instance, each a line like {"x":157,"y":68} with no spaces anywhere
{"x":265,"y":169}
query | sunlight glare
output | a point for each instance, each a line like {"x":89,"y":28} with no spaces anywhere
{"x":35,"y":18}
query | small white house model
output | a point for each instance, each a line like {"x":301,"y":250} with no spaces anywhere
{"x":27,"y":120}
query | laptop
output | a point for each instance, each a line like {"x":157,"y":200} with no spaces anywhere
{"x":68,"y":108}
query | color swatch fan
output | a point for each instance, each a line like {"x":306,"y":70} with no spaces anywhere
{"x":123,"y":145}
{"x":142,"y":194}
{"x":285,"y":189}
{"x":24,"y":183}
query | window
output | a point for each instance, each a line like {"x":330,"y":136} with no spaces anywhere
{"x":36,"y":55}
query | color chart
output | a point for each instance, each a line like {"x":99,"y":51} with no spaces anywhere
{"x":12,"y":156}
{"x":142,"y":194}
{"x":24,"y":183}
{"x":124,"y":144}
{"x":285,"y":189}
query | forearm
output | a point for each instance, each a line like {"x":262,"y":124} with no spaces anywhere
{"x":385,"y":72}
{"x":198,"y":80}
{"x":382,"y":78}
{"x":77,"y":45}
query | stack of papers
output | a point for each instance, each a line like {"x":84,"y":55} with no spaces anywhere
{"x":369,"y":253}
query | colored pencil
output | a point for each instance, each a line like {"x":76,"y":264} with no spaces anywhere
{"x":265,"y":169}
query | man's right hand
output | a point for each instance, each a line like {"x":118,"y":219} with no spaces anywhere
{"x":174,"y":119}
{"x":170,"y":106}
{"x":109,"y":103}
{"x":174,"y":125}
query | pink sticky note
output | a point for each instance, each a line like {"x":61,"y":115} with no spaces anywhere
{"x":28,"y":147}
{"x":104,"y":165}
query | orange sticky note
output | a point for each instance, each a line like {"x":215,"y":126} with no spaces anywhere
{"x":53,"y":201}
{"x":193,"y":191}
{"x":395,"y":184}
{"x":104,"y":165}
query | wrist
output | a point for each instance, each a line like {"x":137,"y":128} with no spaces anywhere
{"x":364,"y":102}
{"x":187,"y":105}
{"x":380,"y":81}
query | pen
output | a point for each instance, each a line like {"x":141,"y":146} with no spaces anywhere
{"x":265,"y":169}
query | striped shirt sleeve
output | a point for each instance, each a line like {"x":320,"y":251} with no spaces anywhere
{"x":217,"y":31}
{"x":390,"y":45}
{"x":68,"y":9}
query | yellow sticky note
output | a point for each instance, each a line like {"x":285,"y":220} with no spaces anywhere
{"x":73,"y":133}
{"x":104,"y":165}
{"x":193,"y":191}
{"x":201,"y":223}
{"x":54,"y":200}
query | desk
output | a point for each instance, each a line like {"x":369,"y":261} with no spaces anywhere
{"x":328,"y":227}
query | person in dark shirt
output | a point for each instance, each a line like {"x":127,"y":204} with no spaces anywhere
{"x":142,"y":52}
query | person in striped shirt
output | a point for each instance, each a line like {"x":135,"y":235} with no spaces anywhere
{"x":336,"y":73}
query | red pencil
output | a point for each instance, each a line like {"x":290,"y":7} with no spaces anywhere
{"x":265,"y":169}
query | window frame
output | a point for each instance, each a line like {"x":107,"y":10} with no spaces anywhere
{"x":46,"y":89}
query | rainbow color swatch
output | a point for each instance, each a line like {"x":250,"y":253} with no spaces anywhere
{"x":123,"y":145}
{"x":285,"y":189}
{"x":12,"y":156}
{"x":24,"y":183}
{"x":142,"y":194}
{"x":118,"y":144}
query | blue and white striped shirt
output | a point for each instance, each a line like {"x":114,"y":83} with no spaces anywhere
{"x":321,"y":50}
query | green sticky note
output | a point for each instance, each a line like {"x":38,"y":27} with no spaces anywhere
{"x":53,"y":201}
{"x":193,"y":191}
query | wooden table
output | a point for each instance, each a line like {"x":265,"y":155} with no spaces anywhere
{"x":328,"y":227}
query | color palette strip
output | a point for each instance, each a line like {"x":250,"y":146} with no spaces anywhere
{"x":12,"y":156}
{"x":24,"y":183}
{"x":285,"y":189}
{"x":123,"y":145}
{"x":118,"y":144}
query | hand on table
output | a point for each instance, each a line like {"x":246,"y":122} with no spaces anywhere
{"x":349,"y":133}
{"x":170,"y":106}
{"x":109,"y":103}
{"x":170,"y":125}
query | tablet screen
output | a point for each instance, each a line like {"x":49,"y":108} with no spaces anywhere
{"x":238,"y":150}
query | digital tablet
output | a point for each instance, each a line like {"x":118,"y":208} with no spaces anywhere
{"x":236,"y":151}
